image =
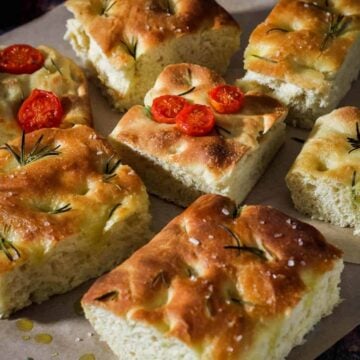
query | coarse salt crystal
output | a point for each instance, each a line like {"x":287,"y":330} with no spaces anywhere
{"x":278,"y":235}
{"x":225,"y":211}
{"x":194,"y":241}
{"x":291,"y":263}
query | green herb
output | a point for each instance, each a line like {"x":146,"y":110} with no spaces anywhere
{"x":111,"y":295}
{"x":167,"y":7}
{"x":61,"y":209}
{"x":354,"y":194}
{"x":188,"y":91}
{"x":148,"y":112}
{"x":56,"y":66}
{"x":237,"y":211}
{"x":219,"y":128}
{"x":265,"y":59}
{"x":240,"y":247}
{"x":11,"y":252}
{"x":299,"y":140}
{"x":160,"y":278}
{"x":338,"y":24}
{"x":355,"y":142}
{"x":131,"y":47}
{"x":113,"y":210}
{"x":277,"y":29}
{"x":108,"y":6}
{"x":110,"y":167}
{"x":36,"y":153}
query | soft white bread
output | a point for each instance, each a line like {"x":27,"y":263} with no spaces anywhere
{"x":180,"y":168}
{"x":215,"y":284}
{"x":306,"y":54}
{"x":127,"y":43}
{"x":59,"y":75}
{"x":324,"y":181}
{"x":69,"y":211}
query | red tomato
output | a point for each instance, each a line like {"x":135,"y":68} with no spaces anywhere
{"x":42,"y":109}
{"x":195,"y":120}
{"x":20,"y":59}
{"x":165,"y":108}
{"x":226,"y":99}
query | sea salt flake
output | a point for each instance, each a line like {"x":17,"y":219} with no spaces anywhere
{"x":278,"y":235}
{"x":291,"y":263}
{"x":194,"y":241}
{"x":225,"y":211}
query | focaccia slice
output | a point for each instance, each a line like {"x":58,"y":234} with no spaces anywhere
{"x":69,"y":211}
{"x":306,"y":53}
{"x":178,"y":167}
{"x":59,"y":75}
{"x":324,"y":181}
{"x":218,"y":284}
{"x":126,"y":44}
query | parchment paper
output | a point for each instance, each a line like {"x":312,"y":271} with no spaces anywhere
{"x":72,"y":334}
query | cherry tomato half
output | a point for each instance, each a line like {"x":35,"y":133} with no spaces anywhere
{"x":20,"y":59}
{"x":42,"y":109}
{"x":226,"y":99}
{"x":195,"y":120}
{"x":165,"y":108}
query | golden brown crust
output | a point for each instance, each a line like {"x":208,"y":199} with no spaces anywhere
{"x":146,"y":23}
{"x":216,"y":153}
{"x":59,"y":75}
{"x":188,"y":283}
{"x":76,"y":176}
{"x":328,"y":153}
{"x":304,"y":42}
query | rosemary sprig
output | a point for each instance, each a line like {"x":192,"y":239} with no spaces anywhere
{"x":354,"y":194}
{"x":148,"y":112}
{"x":131,"y":47}
{"x":239,"y":301}
{"x":110,"y":167}
{"x":219,"y":128}
{"x":61,"y":209}
{"x":11,"y":252}
{"x":338,"y":24}
{"x":237,"y":211}
{"x":36,"y":153}
{"x":113,"y":210}
{"x":299,"y":140}
{"x":265,"y":59}
{"x":56,"y":66}
{"x":111,"y":295}
{"x":355,"y":142}
{"x":240,"y":247}
{"x":167,"y":7}
{"x":107,"y":7}
{"x":187,"y":91}
{"x":160,"y":278}
{"x":277,"y":29}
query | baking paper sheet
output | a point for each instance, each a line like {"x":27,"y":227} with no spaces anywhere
{"x":72,"y":334}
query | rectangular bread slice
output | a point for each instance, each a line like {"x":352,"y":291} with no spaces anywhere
{"x":69,"y":211}
{"x":127,"y":43}
{"x":60,"y":75}
{"x":324,"y":181}
{"x":179,"y":167}
{"x":306,"y":53}
{"x":218,"y":282}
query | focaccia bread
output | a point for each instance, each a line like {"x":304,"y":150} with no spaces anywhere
{"x":59,"y":75}
{"x":178,"y":167}
{"x":127,"y":43}
{"x":306,"y":53}
{"x":69,"y":211}
{"x":324,"y":181}
{"x":218,"y":283}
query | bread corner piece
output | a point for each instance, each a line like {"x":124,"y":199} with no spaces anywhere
{"x":218,"y":284}
{"x":306,"y":54}
{"x":324,"y":181}
{"x":126,"y":44}
{"x":61,"y":76}
{"x":180,"y":168}
{"x":69,"y":211}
